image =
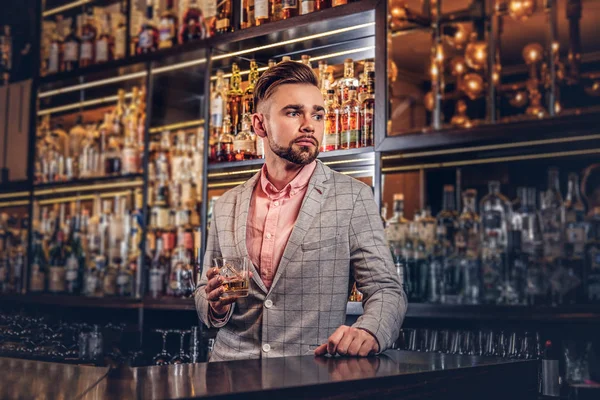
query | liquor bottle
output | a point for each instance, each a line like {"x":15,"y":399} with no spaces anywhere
{"x":234,"y":101}
{"x":368,"y":113}
{"x":71,"y":43}
{"x":344,"y":84}
{"x":305,"y":59}
{"x":447,"y":224}
{"x":322,"y":4}
{"x":333,"y":123}
{"x":225,"y":142}
{"x":56,"y":279}
{"x":156,"y":275}
{"x":244,"y":146}
{"x":54,"y":54}
{"x":307,"y":6}
{"x":276,"y":10}
{"x":553,"y":217}
{"x":247,"y":14}
{"x":192,"y":24}
{"x":592,"y":260}
{"x":120,"y":36}
{"x":148,"y":35}
{"x":405,"y":264}
{"x":324,"y":76}
{"x":397,"y":227}
{"x":495,"y":216}
{"x":218,"y":101}
{"x":210,"y":13}
{"x":366,"y":80}
{"x":224,"y":17}
{"x":577,"y":229}
{"x":112,"y":157}
{"x":248,"y":98}
{"x":350,"y":135}
{"x":427,"y":228}
{"x":5,"y":54}
{"x":104,"y":49}
{"x":527,"y":220}
{"x":466,"y":242}
{"x":124,"y":278}
{"x":131,"y":160}
{"x":88,"y":40}
{"x":447,"y":219}
{"x":289,"y":9}
{"x":515,"y":279}
{"x":167,"y":27}
{"x":262,"y":12}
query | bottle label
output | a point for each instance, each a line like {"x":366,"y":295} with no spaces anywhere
{"x":162,"y":217}
{"x":70,"y":51}
{"x":188,"y":240}
{"x":367,"y":127}
{"x":110,"y":284}
{"x":123,"y":280}
{"x":209,"y":8}
{"x":102,"y":50}
{"x":120,"y":44}
{"x":131,"y":160}
{"x":331,"y":141}
{"x":169,"y":241}
{"x":223,"y":23}
{"x":86,"y":51}
{"x":38,"y":279}
{"x":56,"y":281}
{"x":576,"y":235}
{"x":492,"y":220}
{"x":71,"y":275}
{"x":307,"y":7}
{"x":166,"y":32}
{"x":350,"y":138}
{"x":216,"y":112}
{"x":53,"y":59}
{"x":243,"y":146}
{"x":155,"y":281}
{"x":145,"y":39}
{"x":285,"y":4}
{"x":261,"y":9}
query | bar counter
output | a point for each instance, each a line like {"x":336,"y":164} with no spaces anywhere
{"x":393,"y":374}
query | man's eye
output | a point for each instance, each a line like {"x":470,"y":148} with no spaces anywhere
{"x":293,"y":113}
{"x":318,"y":117}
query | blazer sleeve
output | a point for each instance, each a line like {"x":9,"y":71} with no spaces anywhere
{"x":371,"y":263}
{"x":202,"y":306}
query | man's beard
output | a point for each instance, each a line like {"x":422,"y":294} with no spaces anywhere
{"x":302,"y":155}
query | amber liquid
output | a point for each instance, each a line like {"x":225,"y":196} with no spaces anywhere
{"x":235,"y":287}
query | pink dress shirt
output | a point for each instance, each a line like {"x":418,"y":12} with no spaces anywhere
{"x":271,"y":218}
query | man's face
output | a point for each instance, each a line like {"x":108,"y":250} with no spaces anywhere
{"x":293,"y":122}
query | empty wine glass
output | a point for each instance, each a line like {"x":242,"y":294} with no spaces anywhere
{"x":182,"y":357}
{"x":162,"y":358}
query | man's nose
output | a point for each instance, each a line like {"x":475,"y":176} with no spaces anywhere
{"x":307,"y":124}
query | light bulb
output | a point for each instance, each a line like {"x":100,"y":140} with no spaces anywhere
{"x":521,"y":10}
{"x":460,"y":37}
{"x":476,"y":55}
{"x":392,"y":71}
{"x":533,"y":53}
{"x":429,"y":101}
{"x":593,"y":90}
{"x":519,"y":100}
{"x":497,"y":74}
{"x":460,"y":117}
{"x":458,"y":66}
{"x":398,"y":9}
{"x":472,"y":85}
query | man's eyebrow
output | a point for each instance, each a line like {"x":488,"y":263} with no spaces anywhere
{"x":318,"y":108}
{"x":293,"y":107}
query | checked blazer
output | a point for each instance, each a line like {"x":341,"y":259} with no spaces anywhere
{"x":338,"y":238}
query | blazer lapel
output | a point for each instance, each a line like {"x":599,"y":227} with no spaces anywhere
{"x":311,"y":206}
{"x":241,"y":222}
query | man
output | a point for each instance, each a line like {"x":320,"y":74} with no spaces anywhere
{"x":309,"y":232}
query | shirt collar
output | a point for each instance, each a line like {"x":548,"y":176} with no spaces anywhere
{"x":298,"y":183}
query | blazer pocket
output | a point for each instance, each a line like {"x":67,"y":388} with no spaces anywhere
{"x":319,"y":245}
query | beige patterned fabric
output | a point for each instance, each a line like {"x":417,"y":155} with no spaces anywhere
{"x":338,"y":238}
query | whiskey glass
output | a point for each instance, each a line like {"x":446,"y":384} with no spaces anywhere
{"x":234,"y":270}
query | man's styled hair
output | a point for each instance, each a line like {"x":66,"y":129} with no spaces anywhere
{"x":286,"y":72}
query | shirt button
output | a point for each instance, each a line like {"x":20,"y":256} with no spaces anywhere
{"x":268,"y":236}
{"x":276,"y":203}
{"x":292,"y":192}
{"x":266,"y":347}
{"x":268,"y":303}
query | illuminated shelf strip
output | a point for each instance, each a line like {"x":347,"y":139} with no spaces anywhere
{"x":231,"y":173}
{"x":292,"y":41}
{"x":179,"y":125}
{"x":14,"y":203}
{"x":81,"y":104}
{"x":13,"y":195}
{"x":182,"y":65}
{"x":83,"y":197}
{"x":88,"y":85}
{"x":318,"y":58}
{"x":65,"y":7}
{"x":359,"y":171}
{"x":349,"y":161}
{"x":42,"y":192}
{"x":490,"y":160}
{"x":492,"y":147}
{"x":226,"y":184}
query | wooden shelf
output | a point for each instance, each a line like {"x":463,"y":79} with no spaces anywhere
{"x":48,"y":299}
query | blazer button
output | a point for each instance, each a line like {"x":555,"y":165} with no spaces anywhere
{"x":268,"y":303}
{"x":266,"y":347}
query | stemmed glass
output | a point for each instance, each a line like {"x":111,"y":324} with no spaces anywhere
{"x":162,"y":358}
{"x":182,"y":357}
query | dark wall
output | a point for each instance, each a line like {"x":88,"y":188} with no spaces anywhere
{"x":22,"y":17}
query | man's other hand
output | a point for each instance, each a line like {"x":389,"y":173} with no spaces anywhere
{"x":349,"y":341}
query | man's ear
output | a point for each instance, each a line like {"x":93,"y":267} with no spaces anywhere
{"x":258,"y":121}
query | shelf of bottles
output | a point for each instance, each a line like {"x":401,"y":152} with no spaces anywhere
{"x":14,"y":223}
{"x":6,"y":54}
{"x":77,"y":35}
{"x":536,"y":246}
{"x":479,"y":63}
{"x":348,"y":115}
